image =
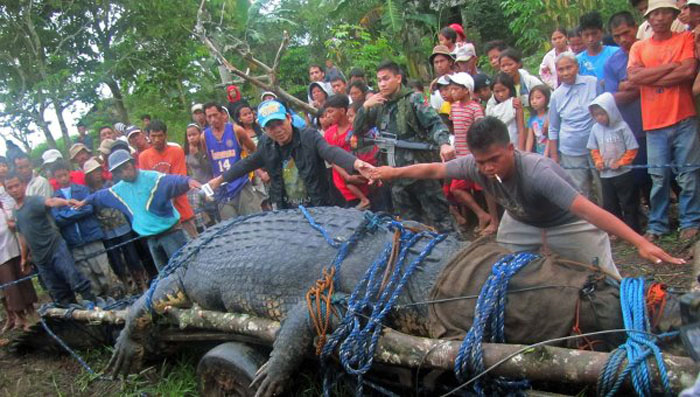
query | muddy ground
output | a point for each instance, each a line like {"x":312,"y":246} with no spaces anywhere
{"x":41,"y":374}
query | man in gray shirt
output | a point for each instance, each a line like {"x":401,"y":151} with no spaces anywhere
{"x":543,"y":209}
{"x":49,"y":252}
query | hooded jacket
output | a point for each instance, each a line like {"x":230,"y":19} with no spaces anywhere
{"x":613,"y":144}
{"x":326,"y":87}
{"x":78,"y":226}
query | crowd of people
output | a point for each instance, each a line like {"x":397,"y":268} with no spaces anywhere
{"x":512,"y":153}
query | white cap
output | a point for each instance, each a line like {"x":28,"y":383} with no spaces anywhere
{"x":693,"y":2}
{"x":463,"y":79}
{"x":131,"y":130}
{"x":50,"y":156}
{"x":443,"y":80}
{"x":465,"y":53}
{"x":197,"y":107}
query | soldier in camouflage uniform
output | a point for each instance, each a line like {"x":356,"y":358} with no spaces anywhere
{"x":398,"y":110}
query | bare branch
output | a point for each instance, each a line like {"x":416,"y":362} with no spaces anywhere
{"x":201,"y":33}
{"x":278,"y":57}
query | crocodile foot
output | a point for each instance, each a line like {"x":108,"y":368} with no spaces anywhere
{"x":268,"y":381}
{"x":126,"y":359}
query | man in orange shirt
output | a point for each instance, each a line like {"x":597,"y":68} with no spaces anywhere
{"x":168,"y":159}
{"x":663,"y":67}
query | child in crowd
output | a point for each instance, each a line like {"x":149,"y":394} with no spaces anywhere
{"x":576,"y":42}
{"x":506,"y":106}
{"x":463,"y":113}
{"x":511,"y":63}
{"x":537,"y":123}
{"x":613,"y":145}
{"x":199,"y":168}
{"x":354,"y":188}
{"x":444,"y":111}
{"x":482,"y":89}
{"x":82,"y":232}
{"x":548,"y":69}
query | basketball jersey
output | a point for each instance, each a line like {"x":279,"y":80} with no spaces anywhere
{"x":222,"y":155}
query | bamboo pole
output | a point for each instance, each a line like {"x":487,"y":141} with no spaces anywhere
{"x":395,"y":348}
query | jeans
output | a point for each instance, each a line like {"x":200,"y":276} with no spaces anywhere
{"x":677,"y":144}
{"x":164,"y":245}
{"x":621,"y":198}
{"x":584,"y":179}
{"x":62,"y":278}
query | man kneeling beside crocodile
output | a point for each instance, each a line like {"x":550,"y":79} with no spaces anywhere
{"x":543,"y":209}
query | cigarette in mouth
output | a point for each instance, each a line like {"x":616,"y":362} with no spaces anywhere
{"x":498,"y":178}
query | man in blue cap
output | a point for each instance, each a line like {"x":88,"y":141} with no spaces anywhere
{"x":294,"y":159}
{"x":145,"y":197}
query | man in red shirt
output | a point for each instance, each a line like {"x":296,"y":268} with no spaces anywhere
{"x":168,"y":159}
{"x":663,"y":67}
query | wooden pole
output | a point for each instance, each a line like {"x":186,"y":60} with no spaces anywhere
{"x":544,"y":363}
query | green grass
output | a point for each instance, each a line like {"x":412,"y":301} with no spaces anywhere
{"x":171,"y":377}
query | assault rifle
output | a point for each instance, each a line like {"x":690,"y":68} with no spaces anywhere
{"x":388,"y":143}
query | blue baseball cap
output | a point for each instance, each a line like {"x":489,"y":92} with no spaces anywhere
{"x":118,"y":158}
{"x":271,"y":110}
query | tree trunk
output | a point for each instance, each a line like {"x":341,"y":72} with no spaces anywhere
{"x":118,"y":100}
{"x":39,"y":120}
{"x":62,"y":124}
{"x":543,"y":363}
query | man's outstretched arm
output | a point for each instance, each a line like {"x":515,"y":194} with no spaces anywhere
{"x":608,"y":222}
{"x":416,"y":171}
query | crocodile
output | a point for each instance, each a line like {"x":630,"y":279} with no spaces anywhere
{"x":263,"y":265}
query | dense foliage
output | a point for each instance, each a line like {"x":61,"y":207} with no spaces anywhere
{"x":126,"y":58}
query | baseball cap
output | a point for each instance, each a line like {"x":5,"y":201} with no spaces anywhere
{"x":76,"y":148}
{"x":132,"y":129}
{"x":50,"y":156}
{"x":271,"y":110}
{"x":693,"y":2}
{"x":465,"y":53}
{"x":270,"y":93}
{"x":656,"y":4}
{"x":463,"y":79}
{"x":120,"y":127}
{"x":91,"y":165}
{"x":106,"y":146}
{"x":443,"y":80}
{"x":481,"y":80}
{"x":119,"y":157}
{"x":197,"y":107}
{"x":459,"y":30}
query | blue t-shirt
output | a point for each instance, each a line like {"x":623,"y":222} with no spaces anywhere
{"x":594,"y":65}
{"x":615,"y":73}
{"x":537,"y":123}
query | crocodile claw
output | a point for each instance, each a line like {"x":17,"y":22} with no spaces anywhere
{"x":126,"y":358}
{"x":268,"y":385}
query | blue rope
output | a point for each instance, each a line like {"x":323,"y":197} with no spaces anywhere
{"x":636,"y":349}
{"x":356,"y":339}
{"x":321,"y":229}
{"x":70,"y":351}
{"x":489,"y":319}
{"x":19,"y":280}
